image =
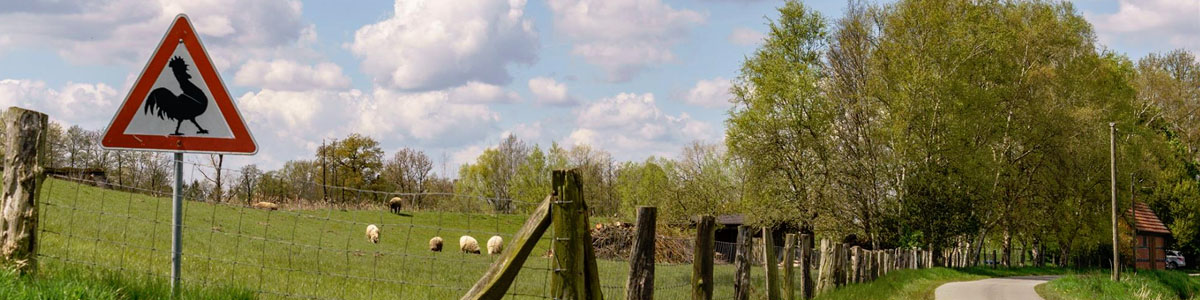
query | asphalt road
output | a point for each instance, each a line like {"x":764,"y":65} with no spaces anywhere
{"x":1008,"y":288}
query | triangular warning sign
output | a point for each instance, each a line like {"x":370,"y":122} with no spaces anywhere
{"x":179,"y":103}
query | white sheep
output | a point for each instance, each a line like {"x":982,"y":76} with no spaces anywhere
{"x":468,"y":244}
{"x":495,"y":245}
{"x":435,"y":244}
{"x":265,"y":205}
{"x":373,"y":234}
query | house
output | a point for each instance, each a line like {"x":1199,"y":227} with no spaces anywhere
{"x":1149,"y":237}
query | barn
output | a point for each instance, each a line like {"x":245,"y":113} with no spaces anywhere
{"x":1149,"y":238}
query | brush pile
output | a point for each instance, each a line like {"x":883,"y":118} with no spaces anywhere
{"x":614,"y":241}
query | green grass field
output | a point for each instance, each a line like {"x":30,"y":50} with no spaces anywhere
{"x":1162,"y":285}
{"x":306,"y":253}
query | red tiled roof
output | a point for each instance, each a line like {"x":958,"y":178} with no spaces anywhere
{"x":1145,"y":220}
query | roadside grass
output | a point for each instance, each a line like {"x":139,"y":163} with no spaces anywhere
{"x":101,"y":233}
{"x":70,"y":283}
{"x":1163,"y":285}
{"x":920,"y":284}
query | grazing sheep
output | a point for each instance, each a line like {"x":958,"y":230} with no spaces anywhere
{"x":265,"y":205}
{"x":396,"y":205}
{"x":435,"y":244}
{"x":495,"y":245}
{"x":373,"y":234}
{"x":468,"y":244}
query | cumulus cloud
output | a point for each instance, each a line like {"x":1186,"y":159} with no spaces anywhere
{"x":478,"y":92}
{"x":710,"y":93}
{"x":549,"y":92}
{"x":623,"y":36}
{"x":1153,"y":22}
{"x":428,"y":45}
{"x":632,"y":124}
{"x":743,"y":36}
{"x":88,"y":105}
{"x":126,"y":31}
{"x":282,"y":74}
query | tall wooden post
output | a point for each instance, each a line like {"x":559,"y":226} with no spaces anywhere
{"x":828,"y":268}
{"x":772,"y":269}
{"x":641,"y":257}
{"x":741,"y":265}
{"x":23,"y":174}
{"x":1112,"y":155}
{"x":702,"y":258}
{"x":575,"y":274}
{"x":789,"y":253}
{"x":806,"y":282}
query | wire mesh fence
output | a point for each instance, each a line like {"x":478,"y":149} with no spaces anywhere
{"x":305,"y":249}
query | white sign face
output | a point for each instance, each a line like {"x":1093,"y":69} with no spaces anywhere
{"x":180,"y":97}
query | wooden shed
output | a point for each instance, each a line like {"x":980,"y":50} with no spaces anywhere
{"x":1149,"y":238}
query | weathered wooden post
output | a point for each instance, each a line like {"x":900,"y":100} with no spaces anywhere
{"x":503,"y":271}
{"x":575,"y":275}
{"x":806,"y":282}
{"x":23,"y":174}
{"x":843,"y":263}
{"x":702,"y":258}
{"x":854,"y":260}
{"x":789,"y":255}
{"x":741,"y":264}
{"x":825,"y":274}
{"x":772,"y":269}
{"x":641,"y":257}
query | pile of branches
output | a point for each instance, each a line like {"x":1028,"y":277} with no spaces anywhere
{"x":615,"y":241}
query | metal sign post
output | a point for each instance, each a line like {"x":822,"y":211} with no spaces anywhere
{"x":177,"y":221}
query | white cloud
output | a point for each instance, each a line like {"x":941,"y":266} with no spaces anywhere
{"x":622,"y":36}
{"x":478,"y":92}
{"x":632,"y":126}
{"x":745,"y":36}
{"x":282,"y":74}
{"x":438,"y":44}
{"x":1151,"y":22}
{"x":710,"y":93}
{"x":550,"y":92}
{"x":126,"y":31}
{"x":90,"y":106}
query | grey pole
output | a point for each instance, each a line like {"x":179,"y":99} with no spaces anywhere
{"x":1112,"y":155}
{"x":177,"y":220}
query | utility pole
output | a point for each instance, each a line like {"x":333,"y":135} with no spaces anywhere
{"x":1112,"y":155}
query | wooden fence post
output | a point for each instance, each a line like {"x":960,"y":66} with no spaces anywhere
{"x":789,"y":255}
{"x":854,"y":269}
{"x":806,"y":282}
{"x":23,"y":174}
{"x":825,"y":272}
{"x":772,"y":269}
{"x":641,"y":257}
{"x":575,"y":272}
{"x":843,"y":261}
{"x":702,"y":258}
{"x":741,"y":264}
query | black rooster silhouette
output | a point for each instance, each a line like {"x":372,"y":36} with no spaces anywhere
{"x":187,"y":106}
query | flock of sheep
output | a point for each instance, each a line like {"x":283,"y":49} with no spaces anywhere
{"x":466,"y":243}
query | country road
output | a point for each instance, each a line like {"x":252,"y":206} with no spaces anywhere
{"x":1008,"y":288}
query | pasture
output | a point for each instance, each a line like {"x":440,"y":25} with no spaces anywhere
{"x":317,"y":253}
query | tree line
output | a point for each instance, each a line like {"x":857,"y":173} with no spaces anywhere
{"x":945,"y":123}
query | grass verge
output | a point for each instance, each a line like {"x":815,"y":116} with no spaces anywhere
{"x":919,"y":284}
{"x":1141,"y":285}
{"x":71,"y":283}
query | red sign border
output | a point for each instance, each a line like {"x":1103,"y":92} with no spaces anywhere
{"x":180,"y":32}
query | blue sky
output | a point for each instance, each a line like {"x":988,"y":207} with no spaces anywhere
{"x":634,"y":77}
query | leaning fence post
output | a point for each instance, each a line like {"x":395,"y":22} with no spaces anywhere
{"x":806,"y":282}
{"x":789,"y":253}
{"x":772,"y":270}
{"x":741,"y":265}
{"x":702,"y":259}
{"x":25,"y":139}
{"x":641,"y":257}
